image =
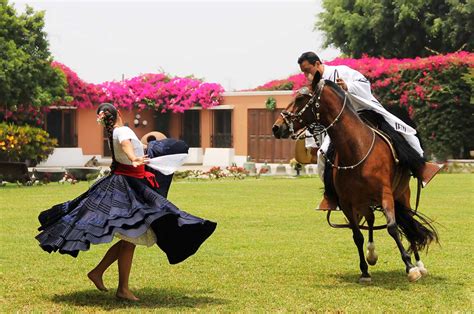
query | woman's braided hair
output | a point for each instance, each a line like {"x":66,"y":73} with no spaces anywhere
{"x":107,"y":114}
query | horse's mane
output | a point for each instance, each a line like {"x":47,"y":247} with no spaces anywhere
{"x":339,"y":91}
{"x":341,"y":94}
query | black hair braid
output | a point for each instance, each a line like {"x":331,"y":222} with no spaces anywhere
{"x":109,"y":122}
{"x":110,"y":114}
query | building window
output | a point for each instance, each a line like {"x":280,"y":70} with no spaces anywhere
{"x":162,"y":122}
{"x":222,"y":136}
{"x":61,"y":124}
{"x":191,"y":128}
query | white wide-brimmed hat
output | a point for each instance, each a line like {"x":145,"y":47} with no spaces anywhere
{"x":154,"y":135}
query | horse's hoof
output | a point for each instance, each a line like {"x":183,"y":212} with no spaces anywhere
{"x":414,"y":274}
{"x":424,"y":271}
{"x":365,"y":280}
{"x":372,"y":256}
{"x":421,"y":268}
{"x":372,"y":260}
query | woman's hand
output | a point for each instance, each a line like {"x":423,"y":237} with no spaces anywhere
{"x":138,"y":161}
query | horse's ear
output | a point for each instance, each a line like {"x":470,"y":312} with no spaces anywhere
{"x":316,"y":79}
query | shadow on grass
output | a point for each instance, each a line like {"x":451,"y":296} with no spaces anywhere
{"x":149,"y":298}
{"x":389,"y":279}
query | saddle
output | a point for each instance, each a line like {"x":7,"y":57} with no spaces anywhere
{"x":398,"y":146}
{"x":387,"y":140}
{"x":306,"y":156}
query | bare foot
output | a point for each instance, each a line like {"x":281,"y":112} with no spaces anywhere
{"x":126,"y":295}
{"x":97,"y":280}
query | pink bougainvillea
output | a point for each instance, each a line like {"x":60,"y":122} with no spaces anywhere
{"x":434,"y":91}
{"x":381,"y":72}
{"x":150,"y":90}
{"x":293,"y":82}
{"x":80,"y":94}
{"x":373,"y":68}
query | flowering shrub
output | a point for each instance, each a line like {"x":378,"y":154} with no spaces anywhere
{"x":293,"y":82}
{"x":21,"y":143}
{"x":68,"y":178}
{"x":188,"y":174}
{"x":80,"y":93}
{"x":237,"y":172}
{"x":157,"y":91}
{"x":215,"y":173}
{"x":21,"y":115}
{"x":435,"y":91}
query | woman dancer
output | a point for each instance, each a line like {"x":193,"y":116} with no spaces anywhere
{"x":124,"y":204}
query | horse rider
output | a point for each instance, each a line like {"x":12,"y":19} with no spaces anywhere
{"x":360,"y":95}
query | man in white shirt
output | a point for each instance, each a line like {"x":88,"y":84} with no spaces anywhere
{"x":359,"y":92}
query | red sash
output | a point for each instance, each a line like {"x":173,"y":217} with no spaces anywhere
{"x":136,"y":172}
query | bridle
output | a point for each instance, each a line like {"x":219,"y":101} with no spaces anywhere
{"x":290,"y":117}
{"x":316,"y":128}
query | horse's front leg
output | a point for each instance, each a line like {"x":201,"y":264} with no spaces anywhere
{"x":359,"y":242}
{"x":388,"y":206}
{"x":372,"y":256}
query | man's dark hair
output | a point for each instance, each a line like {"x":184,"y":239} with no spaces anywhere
{"x":309,"y":56}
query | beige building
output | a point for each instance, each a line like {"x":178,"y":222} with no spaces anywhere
{"x":239,"y":127}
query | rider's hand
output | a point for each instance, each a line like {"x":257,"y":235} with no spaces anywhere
{"x":341,"y":83}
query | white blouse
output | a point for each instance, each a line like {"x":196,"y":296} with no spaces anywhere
{"x":121,"y":134}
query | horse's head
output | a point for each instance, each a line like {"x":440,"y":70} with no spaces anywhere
{"x":295,"y":117}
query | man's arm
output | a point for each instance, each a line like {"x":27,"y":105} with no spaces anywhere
{"x":354,"y":82}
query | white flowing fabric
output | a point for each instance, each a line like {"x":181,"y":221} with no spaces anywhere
{"x":167,"y":164}
{"x":361,"y":97}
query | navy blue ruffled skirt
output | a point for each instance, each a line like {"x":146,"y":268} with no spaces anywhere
{"x":124,"y":205}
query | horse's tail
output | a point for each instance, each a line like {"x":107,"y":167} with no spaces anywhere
{"x":419,"y":232}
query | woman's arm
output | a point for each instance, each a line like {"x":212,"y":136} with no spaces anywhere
{"x":127,"y":148}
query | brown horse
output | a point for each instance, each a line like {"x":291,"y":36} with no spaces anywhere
{"x":363,"y":172}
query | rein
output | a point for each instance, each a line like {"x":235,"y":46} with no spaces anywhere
{"x":356,"y":164}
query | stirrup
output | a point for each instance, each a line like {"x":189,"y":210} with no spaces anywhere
{"x":428,"y":172}
{"x":327,"y":204}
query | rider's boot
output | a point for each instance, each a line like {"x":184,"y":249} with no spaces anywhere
{"x":427,"y":172}
{"x":327,"y":203}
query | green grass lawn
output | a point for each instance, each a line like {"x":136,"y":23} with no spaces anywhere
{"x":271,"y":252}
